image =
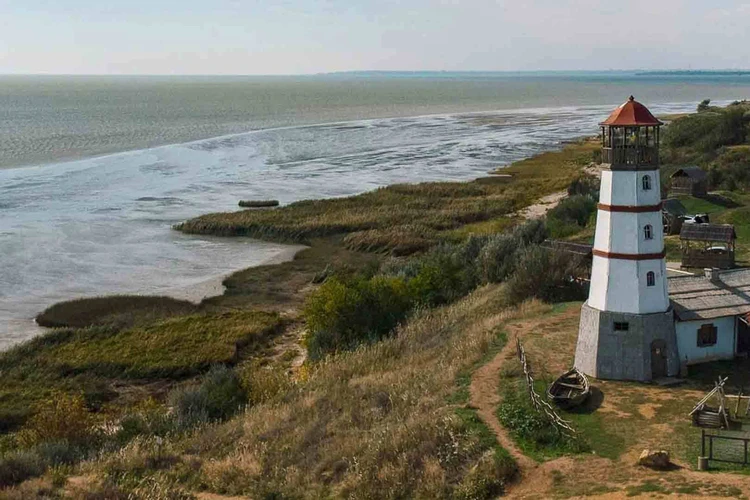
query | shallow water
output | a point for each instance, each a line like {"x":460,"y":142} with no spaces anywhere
{"x":102,"y":225}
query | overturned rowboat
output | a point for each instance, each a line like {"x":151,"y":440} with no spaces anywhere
{"x":569,"y":390}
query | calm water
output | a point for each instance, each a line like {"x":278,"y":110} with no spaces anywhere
{"x":102,"y":224}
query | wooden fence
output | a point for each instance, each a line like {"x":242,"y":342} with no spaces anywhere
{"x":542,"y":406}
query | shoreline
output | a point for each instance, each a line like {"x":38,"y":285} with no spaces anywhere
{"x":498,"y":111}
{"x":28,"y":329}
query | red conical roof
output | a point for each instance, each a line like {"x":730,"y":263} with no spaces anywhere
{"x":631,"y":114}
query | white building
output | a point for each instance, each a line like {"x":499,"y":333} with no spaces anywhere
{"x":711,"y":315}
{"x":636,"y":323}
{"x":627,"y":328}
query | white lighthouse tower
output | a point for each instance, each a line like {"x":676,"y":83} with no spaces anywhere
{"x":627,"y":326}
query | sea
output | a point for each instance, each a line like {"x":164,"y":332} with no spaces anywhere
{"x":95,"y":171}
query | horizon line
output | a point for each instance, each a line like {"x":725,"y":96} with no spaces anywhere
{"x":637,"y":71}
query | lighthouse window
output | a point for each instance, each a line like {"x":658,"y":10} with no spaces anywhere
{"x":646,"y":182}
{"x":621,"y":326}
{"x":650,"y":278}
{"x":648,"y":232}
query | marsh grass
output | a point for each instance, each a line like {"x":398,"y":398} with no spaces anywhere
{"x":123,"y":310}
{"x":92,"y":360}
{"x":436,"y":206}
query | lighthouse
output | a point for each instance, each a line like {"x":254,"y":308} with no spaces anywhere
{"x":627,"y":328}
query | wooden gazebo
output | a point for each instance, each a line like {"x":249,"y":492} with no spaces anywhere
{"x":689,"y":180}
{"x":707,"y":245}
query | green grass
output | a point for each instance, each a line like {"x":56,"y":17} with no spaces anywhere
{"x":95,"y":360}
{"x":120,"y":309}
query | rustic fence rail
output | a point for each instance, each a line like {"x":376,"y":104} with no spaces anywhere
{"x":732,"y":449}
{"x":537,"y":401}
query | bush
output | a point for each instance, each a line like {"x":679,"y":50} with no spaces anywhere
{"x":61,"y":417}
{"x":264,"y":383}
{"x":16,"y":467}
{"x":549,"y":275}
{"x":571,"y":215}
{"x":147,"y":418}
{"x":219,"y":396}
{"x":498,"y":258}
{"x":703,"y":105}
{"x":730,"y":170}
{"x":586,"y":185}
{"x":706,"y":132}
{"x":345,"y":312}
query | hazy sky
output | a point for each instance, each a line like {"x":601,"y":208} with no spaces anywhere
{"x":308,"y":36}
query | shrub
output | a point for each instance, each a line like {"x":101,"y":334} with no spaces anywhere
{"x":703,"y":105}
{"x":219,"y":396}
{"x":498,"y":258}
{"x":345,"y":312}
{"x":147,"y":418}
{"x":18,"y":466}
{"x":586,"y":185}
{"x":61,"y":417}
{"x":570,"y":215}
{"x":548,"y":275}
{"x":730,"y":170}
{"x":263,"y":383}
{"x":706,"y":132}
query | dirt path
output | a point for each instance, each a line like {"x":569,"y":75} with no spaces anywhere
{"x":541,"y":207}
{"x":483,"y":395}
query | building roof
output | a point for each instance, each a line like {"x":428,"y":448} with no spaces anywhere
{"x":708,"y":232}
{"x":695,"y":173}
{"x":697,"y":297}
{"x":631,"y":114}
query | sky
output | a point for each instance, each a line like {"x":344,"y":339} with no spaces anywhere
{"x":309,"y":36}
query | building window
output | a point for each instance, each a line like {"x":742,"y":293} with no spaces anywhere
{"x":650,"y":278}
{"x":648,"y":232}
{"x":646,"y":182}
{"x":707,"y":335}
{"x":621,"y":326}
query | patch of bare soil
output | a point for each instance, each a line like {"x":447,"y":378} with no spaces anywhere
{"x":544,"y":205}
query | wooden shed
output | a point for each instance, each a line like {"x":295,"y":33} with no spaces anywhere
{"x":689,"y":180}
{"x":707,"y":245}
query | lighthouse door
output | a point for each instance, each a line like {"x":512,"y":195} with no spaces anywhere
{"x":658,"y":359}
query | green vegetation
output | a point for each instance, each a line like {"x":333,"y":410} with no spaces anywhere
{"x":116,"y":309}
{"x":91,"y":360}
{"x":343,"y":313}
{"x":145,"y":368}
{"x":716,"y":139}
{"x":571,"y":215}
{"x":531,"y":430}
{"x":403,"y":218}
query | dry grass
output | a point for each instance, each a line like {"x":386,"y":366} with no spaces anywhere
{"x":374,"y":423}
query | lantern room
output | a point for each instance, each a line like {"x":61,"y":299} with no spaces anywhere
{"x":630,"y":137}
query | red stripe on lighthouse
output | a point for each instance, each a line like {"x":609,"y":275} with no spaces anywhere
{"x":633,"y":209}
{"x":630,"y":256}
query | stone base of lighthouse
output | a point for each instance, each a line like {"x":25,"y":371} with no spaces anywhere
{"x":606,"y":353}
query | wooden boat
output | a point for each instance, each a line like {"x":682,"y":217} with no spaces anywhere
{"x":570,"y":389}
